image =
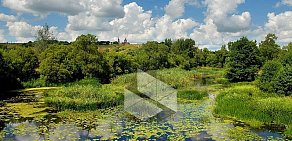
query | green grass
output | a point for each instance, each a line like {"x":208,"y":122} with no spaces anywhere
{"x":246,"y":102}
{"x":84,"y":97}
{"x":177,"y":77}
{"x":191,"y":95}
{"x":88,"y":94}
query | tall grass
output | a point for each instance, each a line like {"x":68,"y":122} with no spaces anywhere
{"x":246,"y":102}
{"x":191,"y":95}
{"x":84,"y":97}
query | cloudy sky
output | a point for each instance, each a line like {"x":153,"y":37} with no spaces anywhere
{"x":210,"y":22}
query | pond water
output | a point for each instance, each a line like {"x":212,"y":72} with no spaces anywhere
{"x":193,"y":121}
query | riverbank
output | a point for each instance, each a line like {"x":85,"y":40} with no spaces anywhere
{"x":246,"y":103}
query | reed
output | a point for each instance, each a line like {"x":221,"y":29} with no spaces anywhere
{"x":84,"y":97}
{"x":247,"y":103}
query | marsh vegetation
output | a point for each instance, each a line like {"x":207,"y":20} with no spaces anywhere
{"x":74,"y":91}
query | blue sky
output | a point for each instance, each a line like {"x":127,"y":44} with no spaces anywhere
{"x":210,"y":22}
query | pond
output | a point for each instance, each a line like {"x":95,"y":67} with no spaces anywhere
{"x":193,"y":121}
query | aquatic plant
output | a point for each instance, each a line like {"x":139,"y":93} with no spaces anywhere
{"x":85,"y":97}
{"x":256,"y":108}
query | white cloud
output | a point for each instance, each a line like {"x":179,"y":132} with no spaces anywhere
{"x":137,"y":25}
{"x":2,"y":36}
{"x":105,"y":8}
{"x":222,"y":24}
{"x":7,"y":18}
{"x":176,"y":8}
{"x":220,"y":10}
{"x":22,"y":31}
{"x":284,"y":2}
{"x":280,"y":25}
{"x":287,"y":2}
{"x":108,"y":19}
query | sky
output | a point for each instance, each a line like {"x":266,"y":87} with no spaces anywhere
{"x":211,"y":23}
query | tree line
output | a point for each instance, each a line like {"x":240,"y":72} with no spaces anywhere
{"x":51,"y":61}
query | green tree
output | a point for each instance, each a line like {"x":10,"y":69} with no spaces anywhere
{"x":268,"y":48}
{"x":7,"y":80}
{"x":92,"y":62}
{"x":86,"y":42}
{"x":283,"y":81}
{"x":204,"y":56}
{"x":222,"y":55}
{"x":244,"y":60}
{"x":168,"y":42}
{"x":121,"y":63}
{"x":183,"y":46}
{"x":269,"y":71}
{"x":212,"y":60}
{"x":286,"y":55}
{"x":152,"y":56}
{"x":43,"y":38}
{"x":57,"y":66}
{"x":23,"y":62}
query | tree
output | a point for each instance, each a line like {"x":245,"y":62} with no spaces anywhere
{"x":183,"y":46}
{"x":268,"y":48}
{"x":7,"y":79}
{"x":286,"y":55}
{"x":152,"y":56}
{"x":43,"y":38}
{"x":244,"y":60}
{"x":212,"y":60}
{"x":283,"y":81}
{"x":57,"y":66}
{"x":86,"y":42}
{"x":269,"y":71}
{"x":121,"y":63}
{"x":168,"y":42}
{"x":23,"y":62}
{"x":222,"y":55}
{"x":204,"y":56}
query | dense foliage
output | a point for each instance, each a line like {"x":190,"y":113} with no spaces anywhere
{"x":7,"y":80}
{"x":268,"y":48}
{"x":269,"y":72}
{"x":57,"y":62}
{"x":244,"y":60}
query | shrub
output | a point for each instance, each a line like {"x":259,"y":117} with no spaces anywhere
{"x":283,"y":81}
{"x":269,"y":72}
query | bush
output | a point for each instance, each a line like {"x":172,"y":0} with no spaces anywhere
{"x":223,"y":81}
{"x":283,"y":81}
{"x":35,"y":83}
{"x":269,"y":72}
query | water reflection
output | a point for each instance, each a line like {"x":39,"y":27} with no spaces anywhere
{"x":191,"y":122}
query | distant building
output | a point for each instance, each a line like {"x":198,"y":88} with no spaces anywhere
{"x":126,"y":42}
